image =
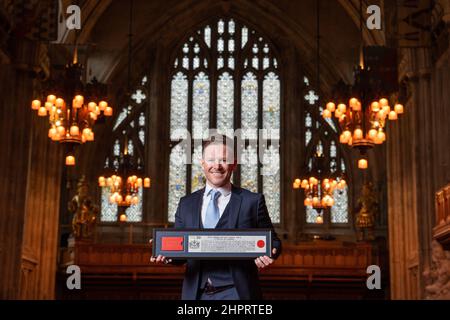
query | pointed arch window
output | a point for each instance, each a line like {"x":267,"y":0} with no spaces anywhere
{"x":225,"y":76}
{"x":320,"y":135}
{"x":131,"y":122}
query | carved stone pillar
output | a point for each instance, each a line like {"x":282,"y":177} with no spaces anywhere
{"x":418,"y":165}
{"x":16,"y":90}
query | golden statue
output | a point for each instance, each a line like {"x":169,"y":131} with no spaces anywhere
{"x":83,"y":210}
{"x":365,"y":218}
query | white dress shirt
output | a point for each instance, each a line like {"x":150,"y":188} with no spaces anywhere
{"x":222,"y":201}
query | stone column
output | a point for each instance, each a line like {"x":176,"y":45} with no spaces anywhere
{"x":416,"y":165}
{"x":30,"y":170}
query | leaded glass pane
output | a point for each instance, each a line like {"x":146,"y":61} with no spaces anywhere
{"x":200,"y":106}
{"x":142,"y":119}
{"x":178,"y":107}
{"x":255,"y":62}
{"x":220,"y":45}
{"x":122,"y":116}
{"x":208,"y":36}
{"x":177,"y":179}
{"x":308,"y":136}
{"x":231,"y":62}
{"x":333,"y":152}
{"x":196,"y":62}
{"x":138,"y":96}
{"x":308,"y":120}
{"x":186,"y":63}
{"x":339,"y":212}
{"x":311,"y":97}
{"x":130,"y":147}
{"x":271,"y":103}
{"x":244,"y":37}
{"x":116,"y":150}
{"x":249,"y":116}
{"x":271,"y":182}
{"x":231,"y":27}
{"x":265,"y":63}
{"x":142,"y":135}
{"x":134,"y":212}
{"x":220,"y":63}
{"x":333,"y":165}
{"x":197,"y":177}
{"x":306,"y":81}
{"x":311,"y":214}
{"x":231,"y":45}
{"x":249,"y":169}
{"x":225,"y":103}
{"x":109,"y":210}
{"x":220,"y":26}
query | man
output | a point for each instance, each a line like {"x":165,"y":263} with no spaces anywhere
{"x":221,"y":205}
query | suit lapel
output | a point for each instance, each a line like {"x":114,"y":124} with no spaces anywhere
{"x":235,"y":205}
{"x":197,"y":209}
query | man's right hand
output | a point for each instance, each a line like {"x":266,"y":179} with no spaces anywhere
{"x":159,"y":258}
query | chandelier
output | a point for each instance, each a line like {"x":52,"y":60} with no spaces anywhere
{"x":319,"y":186}
{"x":363,"y":111}
{"x":364,"y":108}
{"x":72,"y":108}
{"x":125,"y":181}
{"x":127,"y":176}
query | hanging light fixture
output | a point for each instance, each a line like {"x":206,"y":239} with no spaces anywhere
{"x":319,"y":185}
{"x":72,"y":107}
{"x":363,"y":109}
{"x":125,"y":180}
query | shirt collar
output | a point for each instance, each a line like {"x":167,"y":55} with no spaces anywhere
{"x":224,"y":191}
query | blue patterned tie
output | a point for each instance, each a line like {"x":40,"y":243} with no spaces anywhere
{"x":212,"y":212}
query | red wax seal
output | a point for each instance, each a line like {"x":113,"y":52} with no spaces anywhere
{"x":261,"y":244}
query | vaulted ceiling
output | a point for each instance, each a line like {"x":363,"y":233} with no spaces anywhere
{"x":105,"y":29}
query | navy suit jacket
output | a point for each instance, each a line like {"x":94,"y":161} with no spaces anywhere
{"x":247,"y":210}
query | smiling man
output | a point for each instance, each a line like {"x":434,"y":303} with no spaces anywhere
{"x":222,"y":205}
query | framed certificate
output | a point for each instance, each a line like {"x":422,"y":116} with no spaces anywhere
{"x":212,"y":243}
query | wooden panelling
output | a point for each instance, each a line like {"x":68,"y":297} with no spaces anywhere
{"x":310,"y":270}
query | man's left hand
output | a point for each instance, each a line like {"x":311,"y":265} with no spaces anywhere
{"x":265,"y":261}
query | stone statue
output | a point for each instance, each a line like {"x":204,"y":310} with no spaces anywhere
{"x":84,"y":211}
{"x":437,"y":275}
{"x":368,"y":209}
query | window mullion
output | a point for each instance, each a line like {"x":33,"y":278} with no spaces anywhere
{"x":189,"y":151}
{"x":260,"y":124}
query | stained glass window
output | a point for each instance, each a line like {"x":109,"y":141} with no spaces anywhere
{"x":225,"y":103}
{"x":319,"y":138}
{"x":130,"y":127}
{"x":177,"y":178}
{"x":230,"y":82}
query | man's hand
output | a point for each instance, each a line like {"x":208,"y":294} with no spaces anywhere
{"x":265,"y":261}
{"x":160,"y":258}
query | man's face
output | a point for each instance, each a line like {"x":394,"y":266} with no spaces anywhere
{"x":216,"y":164}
